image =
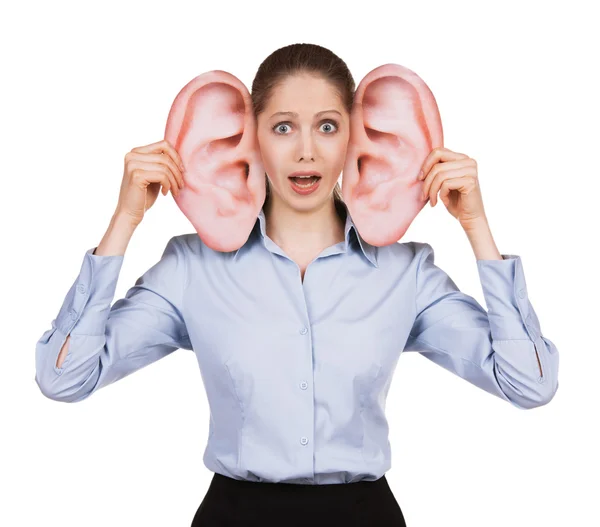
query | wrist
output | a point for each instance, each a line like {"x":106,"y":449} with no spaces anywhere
{"x":117,"y":236}
{"x":123,"y":221}
{"x":479,"y":224}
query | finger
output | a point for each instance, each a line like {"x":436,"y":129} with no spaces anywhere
{"x":160,"y":147}
{"x":445,"y":192}
{"x":171,"y":181}
{"x":439,"y":154}
{"x":159,"y":169}
{"x":166,"y":184}
{"x":164,"y":158}
{"x":449,"y":165}
{"x":451,"y":179}
{"x":153,"y":178}
{"x":152,"y":147}
{"x":174,"y":154}
{"x":429,"y":161}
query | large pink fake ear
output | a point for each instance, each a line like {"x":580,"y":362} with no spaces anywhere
{"x":394,"y":125}
{"x":212,"y":127}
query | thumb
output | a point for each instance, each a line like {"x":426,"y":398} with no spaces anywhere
{"x":444,"y":195}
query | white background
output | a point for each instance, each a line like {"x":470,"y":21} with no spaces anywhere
{"x":517,"y":88}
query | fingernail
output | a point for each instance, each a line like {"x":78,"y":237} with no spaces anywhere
{"x":420,"y":175}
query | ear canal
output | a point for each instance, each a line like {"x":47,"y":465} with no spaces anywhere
{"x":212,"y":126}
{"x":394,"y":125}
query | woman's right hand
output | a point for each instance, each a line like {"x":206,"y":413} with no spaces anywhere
{"x":147,"y":169}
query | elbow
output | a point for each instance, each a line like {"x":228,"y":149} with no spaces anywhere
{"x":526,"y":390}
{"x":56,"y":390}
{"x":48,"y":390}
{"x":72,"y":381}
{"x":545,"y":396}
{"x":536,"y":399}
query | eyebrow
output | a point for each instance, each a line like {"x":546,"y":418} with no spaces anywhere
{"x":294,"y":114}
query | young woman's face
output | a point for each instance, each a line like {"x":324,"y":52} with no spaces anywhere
{"x":304,"y":127}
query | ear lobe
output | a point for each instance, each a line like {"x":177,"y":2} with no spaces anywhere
{"x":394,"y":125}
{"x":212,"y":126}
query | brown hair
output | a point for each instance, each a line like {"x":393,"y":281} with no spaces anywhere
{"x":302,"y":58}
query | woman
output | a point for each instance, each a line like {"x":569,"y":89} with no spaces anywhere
{"x":298,"y":332}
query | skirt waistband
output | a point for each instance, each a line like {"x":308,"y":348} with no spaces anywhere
{"x":329,"y":491}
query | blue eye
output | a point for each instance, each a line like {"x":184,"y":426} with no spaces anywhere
{"x":278,"y":126}
{"x":329,"y":122}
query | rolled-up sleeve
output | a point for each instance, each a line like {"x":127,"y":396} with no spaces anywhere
{"x":108,"y":342}
{"x":501,"y":350}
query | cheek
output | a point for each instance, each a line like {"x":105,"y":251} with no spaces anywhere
{"x":275,"y":156}
{"x":268,"y":152}
{"x":340,"y":154}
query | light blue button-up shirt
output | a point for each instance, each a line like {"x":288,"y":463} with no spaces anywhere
{"x":297,"y":372}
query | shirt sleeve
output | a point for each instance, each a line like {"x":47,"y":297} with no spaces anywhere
{"x":108,"y":343}
{"x":501,"y":350}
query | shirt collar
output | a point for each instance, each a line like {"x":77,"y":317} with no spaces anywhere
{"x":369,"y":251}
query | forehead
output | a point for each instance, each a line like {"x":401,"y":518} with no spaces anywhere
{"x":297,"y":92}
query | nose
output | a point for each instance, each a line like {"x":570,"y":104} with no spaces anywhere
{"x":306,"y":146}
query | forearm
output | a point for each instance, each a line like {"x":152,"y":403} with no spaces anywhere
{"x":481,"y":240}
{"x":117,"y":237}
{"x":114,"y":243}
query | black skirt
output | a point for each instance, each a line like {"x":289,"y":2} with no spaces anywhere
{"x":232,"y":502}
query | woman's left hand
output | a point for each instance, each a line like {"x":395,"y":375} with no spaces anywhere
{"x":454,"y":176}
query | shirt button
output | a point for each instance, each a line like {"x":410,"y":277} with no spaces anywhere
{"x":304,"y":440}
{"x":304,"y":330}
{"x":522,"y":293}
{"x":303,"y":385}
{"x":81,"y":288}
{"x":72,"y":314}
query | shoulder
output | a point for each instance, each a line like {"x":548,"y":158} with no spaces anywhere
{"x":191,"y":246}
{"x":188,"y":242}
{"x":406,"y":254}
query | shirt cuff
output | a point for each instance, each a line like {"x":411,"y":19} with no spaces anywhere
{"x":87,"y":304}
{"x":510,"y":313}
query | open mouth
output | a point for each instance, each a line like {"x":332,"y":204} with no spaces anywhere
{"x":305,"y":181}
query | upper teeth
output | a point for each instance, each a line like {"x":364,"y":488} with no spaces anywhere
{"x":311,"y":175}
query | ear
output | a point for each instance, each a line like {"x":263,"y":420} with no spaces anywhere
{"x":394,"y":125}
{"x":212,"y":126}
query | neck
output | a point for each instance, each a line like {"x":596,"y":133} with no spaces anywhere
{"x":302,"y":231}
